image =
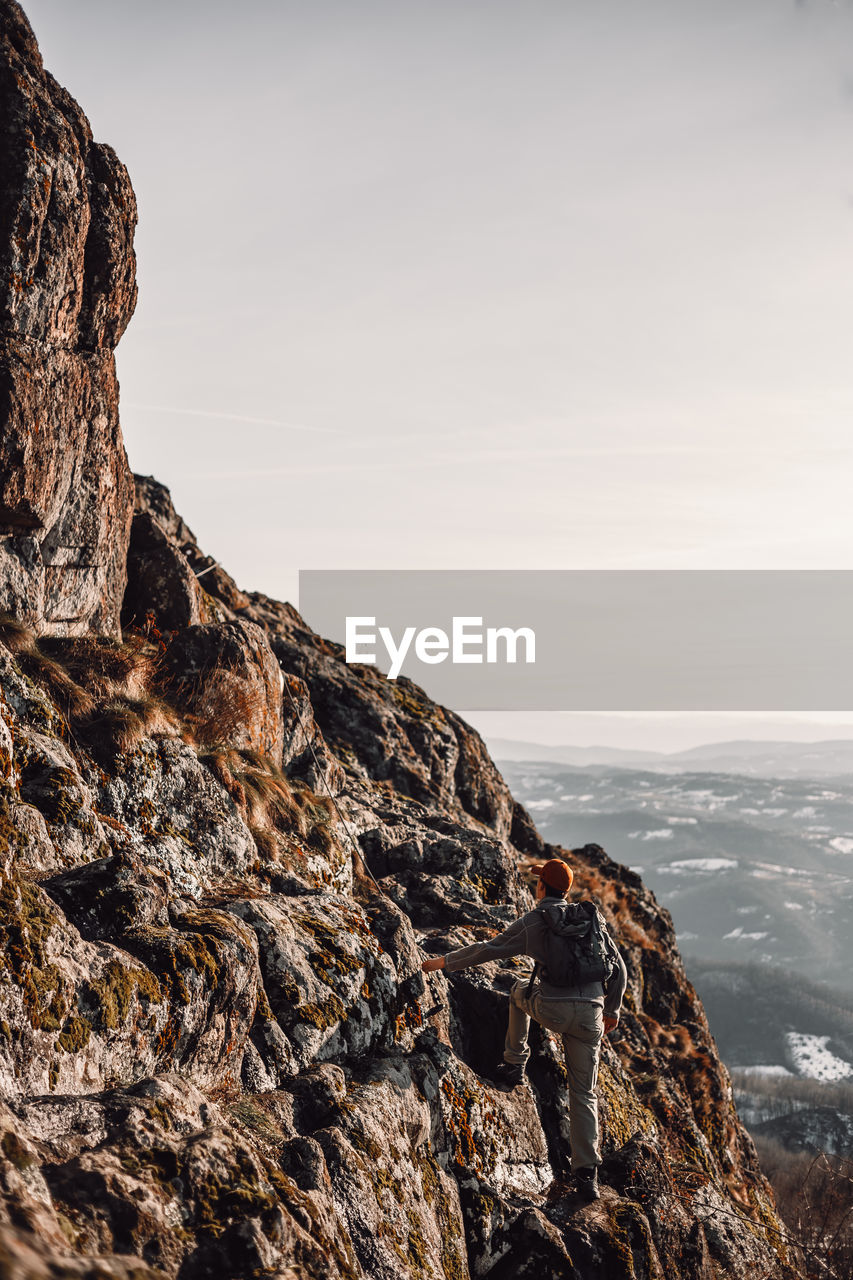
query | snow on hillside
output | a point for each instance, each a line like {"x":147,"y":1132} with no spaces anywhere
{"x":811,"y":1058}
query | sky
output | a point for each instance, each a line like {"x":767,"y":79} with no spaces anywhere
{"x":485,"y":284}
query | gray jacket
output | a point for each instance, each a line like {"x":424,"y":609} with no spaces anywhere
{"x":525,"y":936}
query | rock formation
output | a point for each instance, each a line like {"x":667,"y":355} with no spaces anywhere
{"x":223,"y":853}
{"x":67,"y":292}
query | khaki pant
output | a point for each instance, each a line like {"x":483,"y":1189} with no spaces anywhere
{"x":580,"y":1024}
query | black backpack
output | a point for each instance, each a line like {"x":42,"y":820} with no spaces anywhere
{"x":578,"y":945}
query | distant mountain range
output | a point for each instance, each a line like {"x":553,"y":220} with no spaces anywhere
{"x":829,"y":758}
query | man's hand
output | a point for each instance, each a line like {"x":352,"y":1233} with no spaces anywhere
{"x":430,"y":966}
{"x":609,"y":1024}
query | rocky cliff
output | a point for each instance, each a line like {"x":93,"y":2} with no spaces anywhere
{"x":223,"y":853}
{"x":67,"y":292}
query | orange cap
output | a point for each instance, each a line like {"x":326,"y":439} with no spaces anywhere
{"x":556,"y":874}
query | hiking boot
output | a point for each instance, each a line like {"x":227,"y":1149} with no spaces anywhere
{"x":509,"y":1074}
{"x":586,"y":1181}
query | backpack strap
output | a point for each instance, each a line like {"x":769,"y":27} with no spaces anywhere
{"x":528,"y":990}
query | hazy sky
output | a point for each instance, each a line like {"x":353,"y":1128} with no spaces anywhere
{"x":472,"y":283}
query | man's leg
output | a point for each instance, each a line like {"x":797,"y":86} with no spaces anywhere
{"x":582,"y":1045}
{"x":516,"y":1050}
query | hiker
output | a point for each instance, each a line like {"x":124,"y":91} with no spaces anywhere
{"x":580,"y":1014}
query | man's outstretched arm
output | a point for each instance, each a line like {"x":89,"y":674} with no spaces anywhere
{"x":512,"y":942}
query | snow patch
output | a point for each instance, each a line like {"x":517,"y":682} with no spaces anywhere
{"x":812,"y":1059}
{"x":701,"y":864}
{"x":772,"y":1070}
{"x":785,"y":871}
{"x":842,"y":844}
{"x":664,"y":834}
{"x":539,"y":804}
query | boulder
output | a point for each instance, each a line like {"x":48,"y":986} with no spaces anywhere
{"x":164,"y":804}
{"x":305,"y":752}
{"x":154,"y":499}
{"x":161,"y":586}
{"x":226,"y":677}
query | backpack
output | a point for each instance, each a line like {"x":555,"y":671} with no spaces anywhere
{"x":578,"y":945}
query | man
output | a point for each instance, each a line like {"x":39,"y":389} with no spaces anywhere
{"x":581,"y":1015}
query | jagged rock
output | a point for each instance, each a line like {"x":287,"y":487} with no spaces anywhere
{"x":110,"y":897}
{"x":160,"y":1172}
{"x":51,"y":783}
{"x":67,"y":215}
{"x":154,"y":498}
{"x":464,"y":859}
{"x":227,"y":678}
{"x":76,"y":1013}
{"x":64,"y":1021}
{"x":165,"y":565}
{"x":398,"y":1204}
{"x":305,"y":753}
{"x":330,"y":986}
{"x":8,"y":771}
{"x":388,"y":730}
{"x":25,"y":702}
{"x":340,"y":985}
{"x":523,"y":834}
{"x":160,"y":583}
{"x":163,"y":803}
{"x":25,"y":1257}
{"x":208,"y":964}
{"x":255,"y":1075}
{"x":26,"y":841}
{"x":479,"y":787}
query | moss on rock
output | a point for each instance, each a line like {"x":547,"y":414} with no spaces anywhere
{"x":113,"y":993}
{"x":27,"y":918}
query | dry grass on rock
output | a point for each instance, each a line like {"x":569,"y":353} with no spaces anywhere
{"x":106,"y":690}
{"x":270,"y":800}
